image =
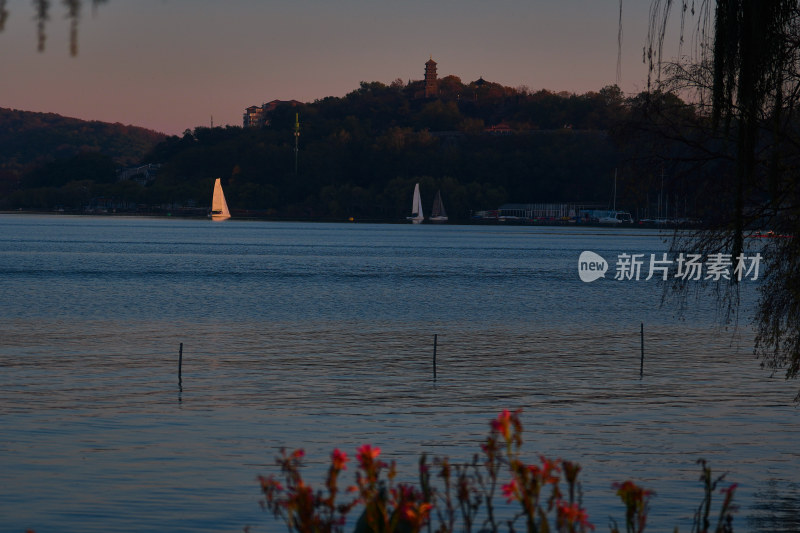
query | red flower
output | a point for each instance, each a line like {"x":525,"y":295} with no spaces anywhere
{"x":502,"y":424}
{"x":510,"y":490}
{"x":572,"y":515}
{"x":632,"y":493}
{"x":636,"y":500}
{"x":339,"y":459}
{"x":728,"y":492}
{"x":270,"y":483}
{"x":416,"y":514}
{"x":367,"y":455}
{"x":549,"y":470}
{"x":368,"y":451}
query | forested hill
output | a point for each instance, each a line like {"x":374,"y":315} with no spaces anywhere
{"x":481,"y":144}
{"x":30,"y":140}
{"x":27,"y":137}
{"x":359,"y":155}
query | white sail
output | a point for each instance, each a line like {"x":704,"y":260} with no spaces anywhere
{"x":416,"y":207}
{"x":219,"y":207}
{"x":438,"y":214}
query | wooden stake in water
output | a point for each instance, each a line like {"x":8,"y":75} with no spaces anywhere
{"x":435,"y":340}
{"x":641,"y":364}
{"x":180,"y":363}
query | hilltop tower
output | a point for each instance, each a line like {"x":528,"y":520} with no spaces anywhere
{"x":431,"y":83}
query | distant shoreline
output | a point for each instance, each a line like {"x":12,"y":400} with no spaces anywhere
{"x":178,"y":214}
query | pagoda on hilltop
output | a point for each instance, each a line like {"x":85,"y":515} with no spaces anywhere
{"x":431,"y":82}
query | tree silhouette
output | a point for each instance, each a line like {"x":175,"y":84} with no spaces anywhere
{"x":744,"y":77}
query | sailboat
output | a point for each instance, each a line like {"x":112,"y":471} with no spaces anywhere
{"x":614,"y":216}
{"x":416,"y":207}
{"x":438,"y":214}
{"x":219,"y":207}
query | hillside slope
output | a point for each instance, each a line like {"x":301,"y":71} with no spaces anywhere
{"x":28,"y":138}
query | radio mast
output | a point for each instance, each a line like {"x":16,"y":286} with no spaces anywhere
{"x":296,"y":138}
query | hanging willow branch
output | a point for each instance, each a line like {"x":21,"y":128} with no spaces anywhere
{"x":3,"y":14}
{"x":42,"y":17}
{"x":746,"y":64}
{"x":73,"y":14}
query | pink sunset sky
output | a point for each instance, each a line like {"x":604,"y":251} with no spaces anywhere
{"x":172,"y":65}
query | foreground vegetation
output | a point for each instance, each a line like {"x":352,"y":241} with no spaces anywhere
{"x":463,"y":497}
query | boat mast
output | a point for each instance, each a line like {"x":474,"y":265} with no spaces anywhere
{"x":614,"y":205}
{"x":661,"y":194}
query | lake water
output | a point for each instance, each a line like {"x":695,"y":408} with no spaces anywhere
{"x":320,"y":336}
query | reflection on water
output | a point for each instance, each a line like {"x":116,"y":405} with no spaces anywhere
{"x":778,"y":506}
{"x":321,"y":336}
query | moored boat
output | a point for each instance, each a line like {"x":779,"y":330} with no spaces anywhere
{"x":438,"y":214}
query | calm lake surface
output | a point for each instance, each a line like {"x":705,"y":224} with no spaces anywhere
{"x":320,"y":336}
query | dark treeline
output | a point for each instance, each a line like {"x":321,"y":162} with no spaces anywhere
{"x":46,"y":151}
{"x":360,"y":155}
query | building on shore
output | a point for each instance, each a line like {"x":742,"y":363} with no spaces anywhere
{"x":552,"y":213}
{"x":142,"y":175}
{"x":499,"y":129}
{"x":253,"y":117}
{"x":258,"y":116}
